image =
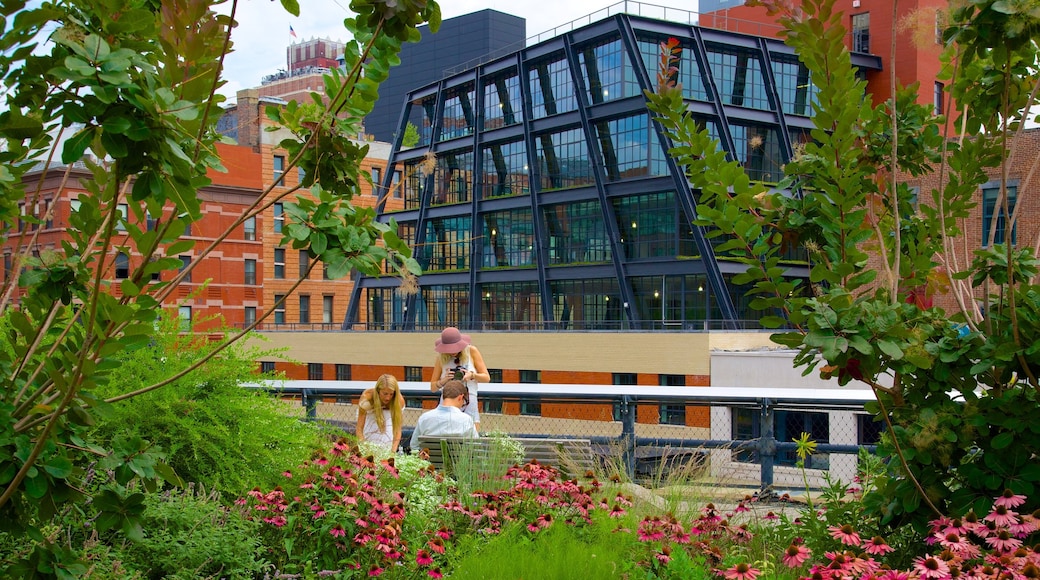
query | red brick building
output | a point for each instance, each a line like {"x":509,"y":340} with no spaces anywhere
{"x":220,"y":284}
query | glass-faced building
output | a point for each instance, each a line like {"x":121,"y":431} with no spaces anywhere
{"x":537,"y":193}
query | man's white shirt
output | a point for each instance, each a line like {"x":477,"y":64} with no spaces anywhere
{"x":444,"y":421}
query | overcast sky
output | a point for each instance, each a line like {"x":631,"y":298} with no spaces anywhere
{"x":263,"y":31}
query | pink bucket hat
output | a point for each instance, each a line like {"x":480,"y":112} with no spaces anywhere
{"x":451,"y":341}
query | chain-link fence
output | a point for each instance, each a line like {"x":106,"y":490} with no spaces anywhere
{"x":735,"y":437}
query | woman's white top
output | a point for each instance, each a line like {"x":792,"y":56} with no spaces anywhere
{"x":371,"y":430}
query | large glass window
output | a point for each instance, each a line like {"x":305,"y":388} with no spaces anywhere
{"x":629,"y":148}
{"x":305,"y":263}
{"x":505,"y":170}
{"x":587,"y":304}
{"x":248,"y":228}
{"x":414,"y":182}
{"x":508,"y":239}
{"x":454,"y":177}
{"x":385,"y":309}
{"x":650,"y":225}
{"x":443,"y":305}
{"x":606,"y":72}
{"x":511,"y":306}
{"x":992,"y":204}
{"x":794,"y":85}
{"x":305,"y":308}
{"x":576,"y":233}
{"x":279,"y":217}
{"x":418,"y":130}
{"x":758,"y":149}
{"x":315,"y":371}
{"x":279,"y":170}
{"x":531,"y":406}
{"x":552,"y":90}
{"x":738,"y":75}
{"x":502,"y":101}
{"x":563,"y":160}
{"x":672,"y":413}
{"x":671,"y":302}
{"x":457,"y":119}
{"x":787,"y":426}
{"x":446,"y":244}
{"x":689,"y":75}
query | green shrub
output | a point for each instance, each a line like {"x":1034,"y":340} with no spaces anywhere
{"x":191,"y":535}
{"x":559,"y":552}
{"x":212,"y":429}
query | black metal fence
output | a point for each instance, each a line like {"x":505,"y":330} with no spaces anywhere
{"x":738,"y":436}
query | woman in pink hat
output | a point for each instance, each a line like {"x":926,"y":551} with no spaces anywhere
{"x":458,"y":359}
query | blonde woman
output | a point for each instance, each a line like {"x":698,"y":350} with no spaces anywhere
{"x":457,"y":359}
{"x":379,"y":414}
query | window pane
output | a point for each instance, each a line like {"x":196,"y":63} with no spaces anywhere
{"x":552,"y":90}
{"x":630,"y":148}
{"x":505,"y":170}
{"x":563,"y":160}
{"x":508,"y":239}
{"x":315,"y":371}
{"x":606,"y":72}
{"x":577,"y":233}
{"x":458,"y":117}
{"x":305,"y":308}
{"x":502,"y":101}
{"x":738,"y":75}
{"x":279,"y":263}
{"x":453,"y":177}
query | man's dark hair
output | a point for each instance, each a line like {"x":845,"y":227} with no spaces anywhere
{"x":453,"y":389}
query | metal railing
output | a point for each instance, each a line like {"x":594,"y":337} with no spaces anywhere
{"x":739,"y":436}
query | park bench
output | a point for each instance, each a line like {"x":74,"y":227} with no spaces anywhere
{"x":572,"y":457}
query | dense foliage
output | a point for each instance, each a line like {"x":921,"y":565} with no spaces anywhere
{"x":127,"y":90}
{"x":957,"y":385}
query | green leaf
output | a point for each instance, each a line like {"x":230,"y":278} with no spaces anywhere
{"x":77,"y":145}
{"x":891,"y":349}
{"x":1003,"y":440}
{"x":291,"y":6}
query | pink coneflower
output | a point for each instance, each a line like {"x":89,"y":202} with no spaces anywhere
{"x":276,"y":521}
{"x":770,"y":516}
{"x":1003,"y":542}
{"x":845,"y":534}
{"x":544,"y":520}
{"x":959,"y":545}
{"x":876,"y":546}
{"x":931,"y":567}
{"x":337,"y":531}
{"x":1008,"y":499}
{"x":617,"y":511}
{"x":795,"y":555}
{"x":423,"y":558}
{"x":741,"y":571}
{"x":287,"y":474}
{"x":894,"y":575}
{"x":445,"y":533}
{"x":374,"y":571}
{"x":435,"y":573}
{"x":1002,"y":516}
{"x":664,"y":556}
{"x":437,"y":545}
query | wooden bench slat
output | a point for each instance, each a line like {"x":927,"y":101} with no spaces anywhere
{"x":565,"y":455}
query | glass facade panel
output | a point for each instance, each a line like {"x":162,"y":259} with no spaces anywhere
{"x":576,"y":233}
{"x":453,"y":177}
{"x":629,"y":148}
{"x":445,"y":245}
{"x":385,"y":309}
{"x":502,"y":101}
{"x":586,"y":304}
{"x":689,"y":76}
{"x":672,"y":302}
{"x":738,"y":75}
{"x":606,"y":72}
{"x":650,"y":225}
{"x":794,"y":85}
{"x":552,"y":90}
{"x":458,"y":117}
{"x":508,"y":239}
{"x":414,"y":182}
{"x":563,"y":160}
{"x":759,"y":150}
{"x":505,"y":170}
{"x":511,"y":306}
{"x":443,"y":305}
{"x":420,"y":116}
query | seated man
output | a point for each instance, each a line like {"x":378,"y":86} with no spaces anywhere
{"x":447,"y":420}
